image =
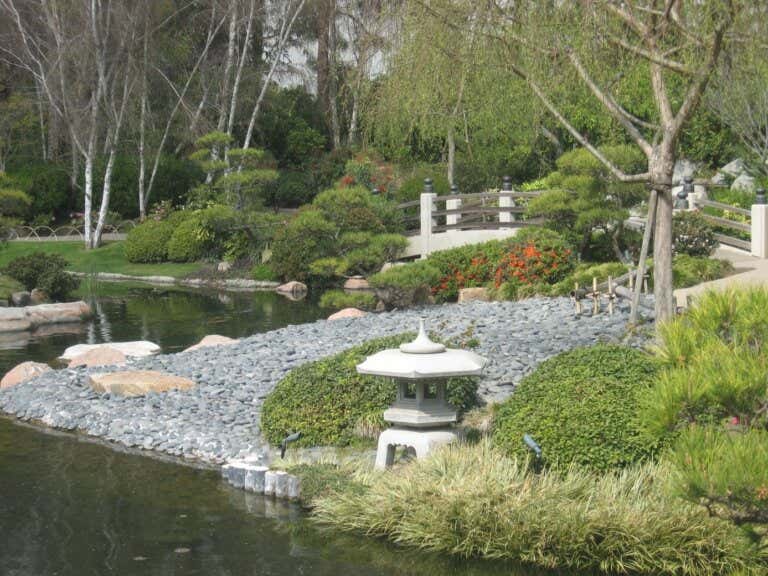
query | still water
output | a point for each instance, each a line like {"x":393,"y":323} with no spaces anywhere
{"x":69,"y":507}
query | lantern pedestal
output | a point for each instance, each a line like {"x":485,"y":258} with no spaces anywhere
{"x":422,"y":441}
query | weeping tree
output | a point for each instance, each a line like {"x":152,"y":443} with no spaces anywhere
{"x":586,"y":46}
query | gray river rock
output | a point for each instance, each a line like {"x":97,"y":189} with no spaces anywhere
{"x":219,"y":418}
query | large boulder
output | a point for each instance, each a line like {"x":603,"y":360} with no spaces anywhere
{"x":683,"y":169}
{"x":213,"y":340}
{"x":138,"y":349}
{"x":21,"y":298}
{"x":347,"y":313}
{"x":138,"y":382}
{"x":295,"y":288}
{"x":101,"y":356}
{"x":744,"y":183}
{"x":23,"y":372}
{"x":14,"y":320}
{"x":58,"y":313}
{"x":38,"y":296}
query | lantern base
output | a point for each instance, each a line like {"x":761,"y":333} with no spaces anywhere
{"x":422,"y":441}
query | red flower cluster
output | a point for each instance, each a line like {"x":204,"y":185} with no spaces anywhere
{"x":476,"y":274}
{"x":530,"y":265}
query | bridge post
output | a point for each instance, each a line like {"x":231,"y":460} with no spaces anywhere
{"x":759,"y":232}
{"x":453,"y":204}
{"x":506,"y":202}
{"x":427,"y":221}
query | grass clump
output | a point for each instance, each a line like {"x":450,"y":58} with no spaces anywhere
{"x":338,"y":299}
{"x":580,"y":407}
{"x":328,"y":400}
{"x":475,"y":501}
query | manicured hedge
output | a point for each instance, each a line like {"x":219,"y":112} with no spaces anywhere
{"x":581,"y":408}
{"x":326,"y":399}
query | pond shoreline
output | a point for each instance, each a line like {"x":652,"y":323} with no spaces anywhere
{"x":229,"y":284}
{"x":219,"y":418}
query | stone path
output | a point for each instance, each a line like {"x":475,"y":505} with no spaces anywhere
{"x":749,"y":271}
{"x":218,"y":419}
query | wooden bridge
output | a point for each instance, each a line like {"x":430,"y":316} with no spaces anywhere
{"x":440,"y":222}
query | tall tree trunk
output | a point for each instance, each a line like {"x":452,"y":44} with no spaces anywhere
{"x":240,"y":65}
{"x":333,"y":108}
{"x":143,"y":125}
{"x":323,"y":22}
{"x":662,"y":167}
{"x":88,"y":199}
{"x":451,"y":156}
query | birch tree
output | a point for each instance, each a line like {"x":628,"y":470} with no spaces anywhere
{"x":81,"y":56}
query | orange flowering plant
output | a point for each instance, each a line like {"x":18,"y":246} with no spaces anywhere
{"x":532,"y":264}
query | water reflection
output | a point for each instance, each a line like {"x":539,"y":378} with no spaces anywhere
{"x":173,"y":318}
{"x":73,"y":508}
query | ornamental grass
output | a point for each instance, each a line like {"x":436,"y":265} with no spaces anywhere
{"x":473,"y":501}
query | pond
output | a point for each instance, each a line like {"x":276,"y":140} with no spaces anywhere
{"x":70,"y":507}
{"x":173,"y":318}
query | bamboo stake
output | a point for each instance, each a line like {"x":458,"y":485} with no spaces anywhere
{"x":649,"y":224}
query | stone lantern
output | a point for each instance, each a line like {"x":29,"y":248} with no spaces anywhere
{"x":421,"y":416}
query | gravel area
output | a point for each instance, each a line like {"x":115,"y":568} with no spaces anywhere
{"x":219,"y":418}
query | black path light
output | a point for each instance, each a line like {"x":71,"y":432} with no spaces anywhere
{"x":287,"y":440}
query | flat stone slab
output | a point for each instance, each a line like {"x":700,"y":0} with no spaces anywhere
{"x":101,"y":356}
{"x":23,"y":372}
{"x":138,"y":382}
{"x":138,"y":349}
{"x":213,"y":340}
{"x":30,"y":317}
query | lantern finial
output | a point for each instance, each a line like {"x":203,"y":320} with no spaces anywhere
{"x":422,"y":344}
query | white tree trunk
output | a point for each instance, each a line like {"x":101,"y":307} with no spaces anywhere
{"x":285,"y":33}
{"x":88,"y":199}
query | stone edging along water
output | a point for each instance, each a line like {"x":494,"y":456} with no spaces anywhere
{"x":233,"y":284}
{"x":218,"y":420}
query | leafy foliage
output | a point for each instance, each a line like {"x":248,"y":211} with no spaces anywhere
{"x":43,"y":271}
{"x":148,"y":242}
{"x":689,"y":271}
{"x":306,"y":238}
{"x":580,"y":407}
{"x":325,"y":399}
{"x":692,"y":235}
{"x":585,"y":200}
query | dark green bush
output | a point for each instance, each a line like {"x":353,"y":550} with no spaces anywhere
{"x":413,"y":185}
{"x":325,"y":400}
{"x":350,"y":210}
{"x":581,"y":408}
{"x":290,"y":190}
{"x":43,"y":271}
{"x":48,"y":186}
{"x":692,"y":235}
{"x":148,"y":242}
{"x":306,"y":238}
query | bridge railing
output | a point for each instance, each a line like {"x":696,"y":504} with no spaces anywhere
{"x":492,"y":210}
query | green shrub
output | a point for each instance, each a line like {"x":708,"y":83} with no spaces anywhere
{"x":43,"y":271}
{"x":324,"y":400}
{"x":690,"y":270}
{"x":419,"y":274}
{"x":692,"y":235}
{"x":148,"y":242}
{"x":14,"y":203}
{"x":47,"y":184}
{"x":186,"y":243}
{"x":580,"y":407}
{"x":290,"y":190}
{"x":338,"y":299}
{"x":474,"y":501}
{"x":263,"y":272}
{"x":306,"y":238}
{"x":349,"y":209}
{"x":413,"y":185}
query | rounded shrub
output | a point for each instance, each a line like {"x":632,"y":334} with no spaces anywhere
{"x":306,"y":238}
{"x":44,"y":271}
{"x":581,"y":408}
{"x":327,"y":399}
{"x":186,"y":243}
{"x":338,"y":299}
{"x":148,"y":242}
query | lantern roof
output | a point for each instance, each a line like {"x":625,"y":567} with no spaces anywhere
{"x":422,"y":359}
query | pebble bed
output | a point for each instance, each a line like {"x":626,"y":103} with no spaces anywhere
{"x":219,"y":418}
